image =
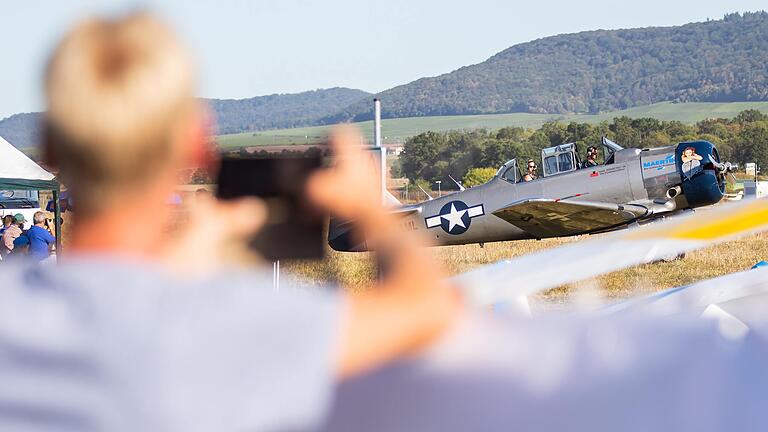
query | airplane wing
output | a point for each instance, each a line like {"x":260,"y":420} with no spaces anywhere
{"x":508,"y":280}
{"x":543,"y":218}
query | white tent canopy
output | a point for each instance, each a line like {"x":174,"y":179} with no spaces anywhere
{"x":18,"y":172}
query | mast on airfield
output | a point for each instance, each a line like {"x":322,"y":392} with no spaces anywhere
{"x":378,"y":147}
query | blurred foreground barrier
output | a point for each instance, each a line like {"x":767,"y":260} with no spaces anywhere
{"x":509,"y":280}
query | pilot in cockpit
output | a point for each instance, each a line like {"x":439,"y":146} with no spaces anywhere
{"x":591,"y":158}
{"x":530,"y":174}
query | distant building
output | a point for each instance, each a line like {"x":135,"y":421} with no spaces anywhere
{"x":750,"y":167}
{"x":394,"y":149}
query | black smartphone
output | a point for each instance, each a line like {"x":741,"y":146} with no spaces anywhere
{"x":294,"y":228}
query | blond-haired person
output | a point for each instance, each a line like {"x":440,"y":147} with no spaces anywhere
{"x":136,"y":331}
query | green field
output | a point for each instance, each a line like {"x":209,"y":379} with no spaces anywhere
{"x":397,"y":130}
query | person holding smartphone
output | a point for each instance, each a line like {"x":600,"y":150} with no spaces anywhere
{"x":40,"y":238}
{"x":138,"y":331}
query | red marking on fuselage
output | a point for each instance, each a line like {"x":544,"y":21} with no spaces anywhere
{"x":571,"y":196}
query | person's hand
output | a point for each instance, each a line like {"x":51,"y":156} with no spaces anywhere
{"x":351,"y":188}
{"x":214,"y":231}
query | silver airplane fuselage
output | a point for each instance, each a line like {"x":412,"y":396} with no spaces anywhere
{"x":655,"y":181}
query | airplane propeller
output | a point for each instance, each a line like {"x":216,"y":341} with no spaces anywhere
{"x":725,"y":170}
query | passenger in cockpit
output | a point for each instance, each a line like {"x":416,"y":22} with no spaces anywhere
{"x":591,"y":158}
{"x":530,"y":174}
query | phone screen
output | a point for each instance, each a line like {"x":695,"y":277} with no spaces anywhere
{"x":294,"y":228}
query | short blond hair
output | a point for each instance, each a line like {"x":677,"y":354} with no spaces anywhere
{"x":117,"y":91}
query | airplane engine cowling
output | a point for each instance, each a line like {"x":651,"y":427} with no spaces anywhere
{"x":702,"y":183}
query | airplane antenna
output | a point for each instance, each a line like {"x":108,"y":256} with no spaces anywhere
{"x":429,"y":197}
{"x":461,"y":188}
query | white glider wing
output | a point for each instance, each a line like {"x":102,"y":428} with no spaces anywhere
{"x":509,"y":280}
{"x":694,"y":299}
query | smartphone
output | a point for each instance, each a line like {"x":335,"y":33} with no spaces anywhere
{"x":295,"y":227}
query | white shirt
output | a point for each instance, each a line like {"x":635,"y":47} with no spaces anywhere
{"x":96,"y":345}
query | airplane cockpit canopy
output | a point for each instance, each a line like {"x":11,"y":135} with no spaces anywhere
{"x":610,"y":149}
{"x":623,"y":155}
{"x":610,"y":146}
{"x":509,"y":171}
{"x":563,"y":158}
{"x":559,"y":159}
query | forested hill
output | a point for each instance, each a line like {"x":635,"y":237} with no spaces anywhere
{"x":21,"y":130}
{"x":591,"y":72}
{"x":596,"y":71}
{"x":282,"y":110}
{"x":233,"y":116}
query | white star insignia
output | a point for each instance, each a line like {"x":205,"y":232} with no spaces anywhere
{"x":454,"y":218}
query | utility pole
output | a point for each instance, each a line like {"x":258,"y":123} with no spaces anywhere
{"x":439,"y":192}
{"x":382,"y":151}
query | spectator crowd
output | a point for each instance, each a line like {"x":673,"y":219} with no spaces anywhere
{"x":35,"y":243}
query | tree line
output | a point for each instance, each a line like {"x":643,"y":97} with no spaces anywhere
{"x":432,"y":156}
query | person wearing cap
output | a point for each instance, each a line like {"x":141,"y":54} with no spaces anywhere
{"x":591,"y":158}
{"x":11,"y":233}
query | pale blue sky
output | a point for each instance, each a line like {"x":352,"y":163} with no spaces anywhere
{"x":250,"y":48}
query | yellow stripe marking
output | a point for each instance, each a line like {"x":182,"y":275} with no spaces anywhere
{"x":738,"y":220}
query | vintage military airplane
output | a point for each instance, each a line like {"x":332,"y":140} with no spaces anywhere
{"x":632,"y":186}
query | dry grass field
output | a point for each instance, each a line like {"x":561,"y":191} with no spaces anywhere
{"x":357,"y":270}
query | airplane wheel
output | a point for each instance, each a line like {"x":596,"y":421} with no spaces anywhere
{"x":669,"y":258}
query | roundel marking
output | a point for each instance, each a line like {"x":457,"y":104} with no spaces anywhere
{"x":455,"y":217}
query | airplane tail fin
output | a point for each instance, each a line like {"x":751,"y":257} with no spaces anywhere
{"x":342,"y":239}
{"x":390,"y":200}
{"x":340,"y":236}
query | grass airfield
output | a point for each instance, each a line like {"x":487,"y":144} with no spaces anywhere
{"x":357,"y":270}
